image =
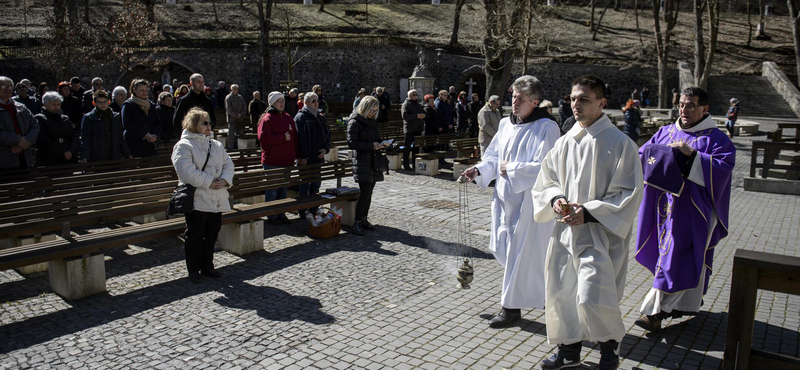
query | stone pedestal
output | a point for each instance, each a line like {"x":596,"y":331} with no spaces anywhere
{"x":348,"y":211}
{"x":246,"y":143}
{"x":395,"y":161}
{"x":422,"y":81}
{"x":78,"y":277}
{"x":459,"y":168}
{"x":242,"y":238}
{"x":429,"y":167}
{"x":252,"y":200}
{"x":333,"y":155}
{"x":153,"y":217}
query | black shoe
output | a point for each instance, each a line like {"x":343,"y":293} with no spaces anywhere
{"x":558,"y":361}
{"x":284,"y":219}
{"x":365,"y":225}
{"x":505,"y":317}
{"x":275,"y":221}
{"x":356,"y":229}
{"x":407,"y":168}
{"x":609,"y":356}
{"x":212,"y":273}
{"x":195,"y":278}
{"x":650,"y":323}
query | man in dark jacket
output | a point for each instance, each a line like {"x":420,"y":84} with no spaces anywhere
{"x":195,"y":98}
{"x":19,"y":130}
{"x":445,"y":110}
{"x":564,"y":109}
{"x":413,"y":124}
{"x":257,"y":107}
{"x":314,"y":138}
{"x":76,"y":88}
{"x":71,"y":105}
{"x":291,"y":102}
{"x":101,"y":129}
{"x":88,"y":95}
{"x":222,"y":92}
{"x":33,"y":105}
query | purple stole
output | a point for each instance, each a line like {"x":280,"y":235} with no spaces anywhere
{"x":674,"y":248}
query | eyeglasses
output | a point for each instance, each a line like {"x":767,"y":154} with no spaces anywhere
{"x":686,"y":107}
{"x":6,"y":87}
{"x":313,"y":101}
{"x":205,"y":123}
{"x":414,"y":94}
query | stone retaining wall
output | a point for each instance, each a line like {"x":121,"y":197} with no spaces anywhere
{"x":782,"y":85}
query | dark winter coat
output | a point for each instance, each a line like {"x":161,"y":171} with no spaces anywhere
{"x":290,"y":107}
{"x":433,"y":122}
{"x":409,"y":110}
{"x":94,"y":138}
{"x":221,"y":94}
{"x":168,"y":129}
{"x":33,"y":104}
{"x":86,"y":101}
{"x":276,"y":151}
{"x":462,"y":117}
{"x":632,"y":122}
{"x":474,"y":107}
{"x":446,"y":112}
{"x":361,"y":134}
{"x":257,"y":108}
{"x":115,"y":107}
{"x":137,"y":125}
{"x":29,"y":129}
{"x":56,"y":137}
{"x":383,"y":114}
{"x":71,"y":106}
{"x":189,"y":101}
{"x":313,"y":135}
{"x":564,"y":110}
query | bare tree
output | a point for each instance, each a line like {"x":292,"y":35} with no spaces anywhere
{"x":703,"y":71}
{"x":456,"y":22}
{"x":130,"y":30}
{"x":265,"y":22}
{"x":501,"y":43}
{"x":794,"y":19}
{"x":597,"y":26}
{"x":150,"y":6}
{"x":322,"y":5}
{"x":284,"y":19}
{"x":669,"y":18}
{"x":749,"y":25}
{"x":699,"y":45}
{"x":537,"y":30}
{"x":636,"y":14}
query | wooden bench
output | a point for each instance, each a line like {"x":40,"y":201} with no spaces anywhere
{"x":76,"y":263}
{"x":772,"y":153}
{"x":777,"y":135}
{"x":753,"y":271}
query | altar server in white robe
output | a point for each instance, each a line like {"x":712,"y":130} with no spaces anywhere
{"x":595,"y":169}
{"x":513,"y":159}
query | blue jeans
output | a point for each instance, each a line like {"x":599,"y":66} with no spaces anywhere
{"x":310,"y":188}
{"x":273,"y":194}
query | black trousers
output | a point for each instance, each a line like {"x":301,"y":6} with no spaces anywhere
{"x":202,"y":229}
{"x":364,"y":199}
{"x":408,"y":139}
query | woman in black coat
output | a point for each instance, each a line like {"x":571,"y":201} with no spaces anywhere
{"x":58,"y":142}
{"x":462,"y":113}
{"x":474,"y":107}
{"x":141,"y":122}
{"x":101,"y":138}
{"x":364,"y":138}
{"x":166,"y":112}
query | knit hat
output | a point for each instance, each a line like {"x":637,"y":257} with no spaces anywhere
{"x":273,"y":97}
{"x":427,"y":96}
{"x":734,"y":101}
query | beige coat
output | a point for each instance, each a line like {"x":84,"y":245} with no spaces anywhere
{"x":234,"y":104}
{"x":488,"y":124}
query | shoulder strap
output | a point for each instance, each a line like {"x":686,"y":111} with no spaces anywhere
{"x":207,"y":156}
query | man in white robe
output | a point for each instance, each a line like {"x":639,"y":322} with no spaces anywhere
{"x":595,"y":170}
{"x":513,"y":159}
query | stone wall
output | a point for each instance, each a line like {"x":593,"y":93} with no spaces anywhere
{"x":343,"y":71}
{"x":782,"y":85}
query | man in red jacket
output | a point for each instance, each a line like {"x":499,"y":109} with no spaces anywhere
{"x":277,"y":136}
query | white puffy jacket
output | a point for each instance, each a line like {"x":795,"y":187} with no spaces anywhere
{"x":188,"y":157}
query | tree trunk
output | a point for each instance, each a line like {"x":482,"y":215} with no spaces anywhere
{"x":501,"y":43}
{"x":527,"y":39}
{"x":713,"y":23}
{"x":59,"y":11}
{"x":591,"y":19}
{"x":794,"y":20}
{"x":638,"y":30}
{"x":456,"y":22}
{"x":322,"y":5}
{"x":72,"y":12}
{"x":670,"y":19}
{"x":749,"y":25}
{"x":264,"y":20}
{"x":699,"y":44}
{"x":86,"y":12}
{"x":597,"y":26}
{"x":214,"y":7}
{"x":150,"y":6}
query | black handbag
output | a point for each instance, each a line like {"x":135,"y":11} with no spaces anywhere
{"x":380,"y":162}
{"x":182,"y":200}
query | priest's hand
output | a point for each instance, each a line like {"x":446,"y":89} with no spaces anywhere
{"x":683,"y":147}
{"x":470,"y":173}
{"x":557,"y":207}
{"x":503,"y":168}
{"x":575,"y":218}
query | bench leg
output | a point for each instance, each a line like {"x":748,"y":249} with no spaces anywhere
{"x":395,"y":161}
{"x":80,"y":277}
{"x":429,"y":167}
{"x":333,"y":155}
{"x":242,"y":238}
{"x":153,"y":217}
{"x":36,"y":267}
{"x":348,"y":211}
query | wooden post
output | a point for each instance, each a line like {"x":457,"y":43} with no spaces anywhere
{"x":741,"y":314}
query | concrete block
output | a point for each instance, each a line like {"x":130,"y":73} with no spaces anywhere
{"x":246,"y":143}
{"x":153,"y":217}
{"x":37,"y":267}
{"x":395,"y":161}
{"x":333,"y":155}
{"x":78,"y":277}
{"x":429,"y":167}
{"x":252,"y":200}
{"x":242,"y":238}
{"x":459,"y":168}
{"x":348,"y":211}
{"x":768,"y":185}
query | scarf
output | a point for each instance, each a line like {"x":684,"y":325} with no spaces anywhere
{"x":12,"y":110}
{"x":142,"y":103}
{"x":105,"y":116}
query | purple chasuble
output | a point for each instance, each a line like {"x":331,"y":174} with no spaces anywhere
{"x":673,"y":247}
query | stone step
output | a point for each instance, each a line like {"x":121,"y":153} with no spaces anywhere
{"x":790,"y":157}
{"x":756,"y":97}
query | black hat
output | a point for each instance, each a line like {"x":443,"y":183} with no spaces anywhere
{"x":75,"y":80}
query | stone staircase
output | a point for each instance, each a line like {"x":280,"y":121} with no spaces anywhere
{"x":756,"y":97}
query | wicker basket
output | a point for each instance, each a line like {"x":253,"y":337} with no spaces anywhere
{"x":327,"y":230}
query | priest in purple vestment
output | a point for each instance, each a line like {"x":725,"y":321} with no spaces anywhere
{"x":687,"y":174}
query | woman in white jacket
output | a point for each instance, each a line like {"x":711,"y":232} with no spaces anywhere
{"x":211,"y":190}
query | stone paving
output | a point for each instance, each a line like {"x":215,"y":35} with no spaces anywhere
{"x":388,"y":300}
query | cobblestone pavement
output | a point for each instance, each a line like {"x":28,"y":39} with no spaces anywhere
{"x":388,"y":300}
